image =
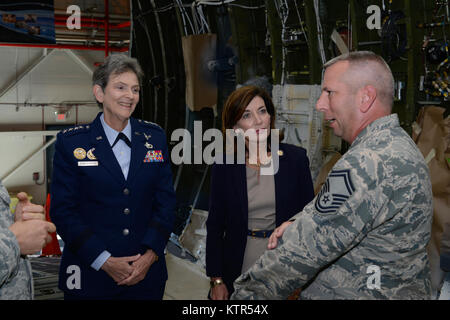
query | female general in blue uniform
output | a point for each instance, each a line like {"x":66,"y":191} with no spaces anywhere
{"x":246,"y":205}
{"x":112,"y":197}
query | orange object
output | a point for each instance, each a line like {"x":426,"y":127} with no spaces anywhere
{"x":52,"y":248}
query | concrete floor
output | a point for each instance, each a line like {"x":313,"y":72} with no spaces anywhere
{"x":187,"y":280}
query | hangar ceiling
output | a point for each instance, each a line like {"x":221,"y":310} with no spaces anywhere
{"x":35,"y":74}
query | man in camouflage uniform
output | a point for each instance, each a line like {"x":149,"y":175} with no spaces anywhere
{"x":364,"y":236}
{"x":20,"y":234}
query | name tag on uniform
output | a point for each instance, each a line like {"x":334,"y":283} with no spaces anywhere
{"x":87,"y":163}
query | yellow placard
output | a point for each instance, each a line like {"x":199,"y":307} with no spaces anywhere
{"x":14,"y":201}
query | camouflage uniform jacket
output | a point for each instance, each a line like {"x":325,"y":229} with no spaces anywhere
{"x":364,"y":235}
{"x":15,"y":271}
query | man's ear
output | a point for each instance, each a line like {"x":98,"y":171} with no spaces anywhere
{"x":368,"y":96}
{"x":98,"y":93}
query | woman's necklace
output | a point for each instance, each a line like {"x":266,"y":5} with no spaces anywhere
{"x":257,"y":166}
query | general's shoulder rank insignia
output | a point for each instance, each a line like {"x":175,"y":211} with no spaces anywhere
{"x":335,"y":191}
{"x":155,"y":125}
{"x":152,"y":123}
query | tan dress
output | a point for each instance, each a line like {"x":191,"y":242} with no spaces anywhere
{"x":261,"y":213}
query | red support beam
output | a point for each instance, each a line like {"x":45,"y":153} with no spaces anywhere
{"x":63,"y":18}
{"x":106,"y":27}
{"x":83,"y":19}
{"x":120,"y":25}
{"x":97,"y":25}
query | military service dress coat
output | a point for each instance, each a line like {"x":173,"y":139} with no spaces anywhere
{"x":95,"y":209}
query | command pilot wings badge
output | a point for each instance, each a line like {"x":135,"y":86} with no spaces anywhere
{"x":90,"y":154}
{"x":335,"y":191}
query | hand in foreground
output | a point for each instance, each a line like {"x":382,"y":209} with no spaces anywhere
{"x":119,"y":268}
{"x":140,"y":268}
{"x":219,"y":292}
{"x":32,"y":235}
{"x":277,"y":233}
{"x":25,"y":210}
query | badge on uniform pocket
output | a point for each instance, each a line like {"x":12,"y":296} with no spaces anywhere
{"x":154,"y":156}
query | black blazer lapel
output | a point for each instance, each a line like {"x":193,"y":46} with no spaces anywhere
{"x":103,"y":151}
{"x":281,"y":179}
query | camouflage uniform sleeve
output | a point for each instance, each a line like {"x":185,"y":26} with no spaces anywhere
{"x":9,"y":249}
{"x":330,"y":225}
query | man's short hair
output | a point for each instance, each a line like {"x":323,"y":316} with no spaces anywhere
{"x":381,"y":77}
{"x":115,"y":64}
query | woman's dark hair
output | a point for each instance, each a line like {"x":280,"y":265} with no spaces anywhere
{"x":237,"y":102}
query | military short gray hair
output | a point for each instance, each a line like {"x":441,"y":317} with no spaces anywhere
{"x":115,"y":64}
{"x":383,"y":79}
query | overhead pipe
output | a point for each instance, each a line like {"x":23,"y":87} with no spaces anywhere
{"x":65,"y":46}
{"x":50,"y":104}
{"x":60,"y":18}
{"x":97,"y":42}
{"x":97,"y":25}
{"x":98,"y":15}
{"x":125,"y":24}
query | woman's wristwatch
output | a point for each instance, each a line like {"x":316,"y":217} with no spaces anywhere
{"x":216,"y":282}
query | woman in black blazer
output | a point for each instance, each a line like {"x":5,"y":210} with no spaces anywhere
{"x":245,"y":205}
